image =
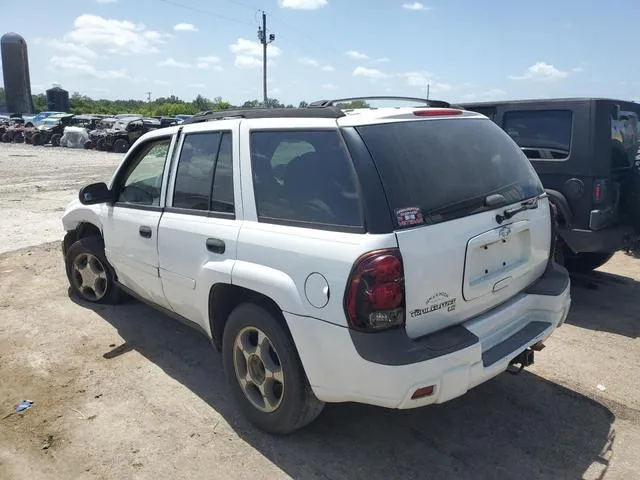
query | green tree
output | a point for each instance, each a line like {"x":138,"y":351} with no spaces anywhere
{"x":303,"y":104}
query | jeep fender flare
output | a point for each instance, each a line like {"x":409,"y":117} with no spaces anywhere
{"x":560,"y":201}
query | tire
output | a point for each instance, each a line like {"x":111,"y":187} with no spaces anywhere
{"x":88,"y":145}
{"x":6,"y":137}
{"x":55,"y":139}
{"x":292,"y":404}
{"x":121,"y":146}
{"x":587,"y":261}
{"x":88,"y":253}
{"x":36,"y":139}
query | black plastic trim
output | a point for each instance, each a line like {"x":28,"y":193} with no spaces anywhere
{"x":508,"y":346}
{"x":553,"y":282}
{"x":135,"y":206}
{"x":394,"y":347}
{"x":312,"y":225}
{"x":606,"y":240}
{"x":200,"y":213}
{"x":165,"y":311}
{"x":327,"y":112}
{"x":377,"y":213}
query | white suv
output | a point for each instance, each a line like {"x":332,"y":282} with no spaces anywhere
{"x":395,"y":256}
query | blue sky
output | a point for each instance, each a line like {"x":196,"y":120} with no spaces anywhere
{"x":466,"y":50}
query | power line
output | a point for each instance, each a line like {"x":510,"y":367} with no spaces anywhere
{"x":206,"y":12}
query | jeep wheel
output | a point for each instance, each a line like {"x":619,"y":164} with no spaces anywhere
{"x":55,"y":139}
{"x":265,"y":373}
{"x":6,"y":137}
{"x":120,"y":146}
{"x":36,"y":139}
{"x":90,"y":275}
{"x":587,"y":261}
{"x":88,"y":145}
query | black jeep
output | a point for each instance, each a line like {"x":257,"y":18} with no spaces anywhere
{"x":587,"y":154}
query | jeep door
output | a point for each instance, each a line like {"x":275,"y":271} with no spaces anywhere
{"x":130,"y":226}
{"x":199,"y":228}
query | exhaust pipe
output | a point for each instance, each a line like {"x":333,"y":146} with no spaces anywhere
{"x":517,"y":364}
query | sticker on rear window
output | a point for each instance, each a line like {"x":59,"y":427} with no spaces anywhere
{"x":408,"y":217}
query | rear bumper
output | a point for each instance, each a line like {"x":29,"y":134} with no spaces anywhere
{"x":385,"y":369}
{"x":606,"y":240}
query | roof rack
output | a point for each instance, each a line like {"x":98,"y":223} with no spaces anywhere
{"x":248,"y":113}
{"x":331,"y":103}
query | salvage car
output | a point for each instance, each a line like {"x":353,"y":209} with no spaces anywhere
{"x":50,"y":130}
{"x":124,"y":133}
{"x":397,"y":257}
{"x":587,"y":154}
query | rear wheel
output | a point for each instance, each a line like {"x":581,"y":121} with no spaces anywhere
{"x":88,"y":145}
{"x":36,"y":139}
{"x":587,"y":261}
{"x":120,"y":146}
{"x":6,"y":137}
{"x":265,"y":373}
{"x":55,"y":139}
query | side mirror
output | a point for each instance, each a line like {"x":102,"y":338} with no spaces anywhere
{"x":95,"y":193}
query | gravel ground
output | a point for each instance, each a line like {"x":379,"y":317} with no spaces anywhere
{"x":125,"y":392}
{"x":36,"y":183}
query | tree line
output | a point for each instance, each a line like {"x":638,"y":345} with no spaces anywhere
{"x":163,"y":106}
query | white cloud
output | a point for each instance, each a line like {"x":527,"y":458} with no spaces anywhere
{"x":161,"y":82}
{"x":328,"y":68}
{"x":494,"y":92}
{"x":114,"y":36}
{"x":356,"y":54}
{"x":196,"y":85}
{"x":302,"y":4}
{"x":171,"y":62}
{"x":67,"y":47}
{"x":368,"y":72}
{"x":382,"y":60}
{"x":249,"y":53}
{"x":329,"y":86}
{"x":309,"y":61}
{"x":541,"y":71}
{"x":244,"y":61}
{"x":210,"y":61}
{"x":577,"y":69}
{"x":185,"y":27}
{"x":414,"y":6}
{"x":418,"y":78}
{"x":79,"y":66}
{"x":219,"y":68}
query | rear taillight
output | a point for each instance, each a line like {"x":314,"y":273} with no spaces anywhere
{"x":374,"y":298}
{"x":600,"y":188}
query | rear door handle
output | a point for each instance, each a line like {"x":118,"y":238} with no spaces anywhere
{"x":145,"y":232}
{"x":215,"y":245}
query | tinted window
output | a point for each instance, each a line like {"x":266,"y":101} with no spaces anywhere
{"x":222,"y":196}
{"x":447,"y":168}
{"x":195,"y":171}
{"x":304,"y":177}
{"x":547,"y":131}
{"x":142,"y":181}
{"x":489,"y":112}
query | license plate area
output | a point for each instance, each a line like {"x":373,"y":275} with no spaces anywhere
{"x":496,"y":257}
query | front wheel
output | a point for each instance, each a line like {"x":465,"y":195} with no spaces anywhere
{"x":90,"y":275}
{"x":120,"y":146}
{"x":587,"y":261}
{"x":265,"y":373}
{"x":55,"y":139}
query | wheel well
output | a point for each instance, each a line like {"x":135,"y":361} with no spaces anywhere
{"x":83,"y":230}
{"x":223,"y":298}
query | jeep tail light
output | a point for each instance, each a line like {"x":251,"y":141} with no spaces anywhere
{"x":375,"y":298}
{"x":600,"y":190}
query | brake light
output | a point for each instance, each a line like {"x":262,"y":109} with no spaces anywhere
{"x":374,"y":298}
{"x":599,"y":191}
{"x":437,"y":112}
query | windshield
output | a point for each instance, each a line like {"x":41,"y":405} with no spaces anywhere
{"x":447,"y":168}
{"x":49,"y":122}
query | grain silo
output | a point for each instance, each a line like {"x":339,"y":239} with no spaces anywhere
{"x":57,"y":99}
{"x":15,"y":69}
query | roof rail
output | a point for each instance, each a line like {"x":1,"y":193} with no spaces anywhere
{"x":331,"y":103}
{"x":329,"y":112}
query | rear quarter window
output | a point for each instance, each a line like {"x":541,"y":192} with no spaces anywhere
{"x":542,"y":134}
{"x":446,"y":168}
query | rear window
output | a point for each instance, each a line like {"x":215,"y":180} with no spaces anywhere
{"x":444,"y":169}
{"x":542,"y":134}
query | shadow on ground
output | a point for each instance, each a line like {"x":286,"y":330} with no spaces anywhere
{"x":605,"y":302}
{"x":513,"y":427}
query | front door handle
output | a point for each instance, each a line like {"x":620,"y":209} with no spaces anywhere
{"x":215,"y":245}
{"x":145,"y":232}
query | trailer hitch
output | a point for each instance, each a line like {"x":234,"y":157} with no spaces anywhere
{"x":517,"y":364}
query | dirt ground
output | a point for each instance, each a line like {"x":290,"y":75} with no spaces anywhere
{"x":125,"y":392}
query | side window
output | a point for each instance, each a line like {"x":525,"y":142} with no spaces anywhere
{"x":197,"y":160}
{"x":222,"y":195}
{"x":489,"y":112}
{"x":304,"y":178}
{"x":542,"y":134}
{"x":142,"y":181}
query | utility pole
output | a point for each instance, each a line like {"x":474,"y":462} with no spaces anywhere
{"x":148,"y":97}
{"x":264,"y":40}
{"x":428,"y":86}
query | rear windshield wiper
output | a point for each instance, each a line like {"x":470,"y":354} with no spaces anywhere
{"x":511,"y":212}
